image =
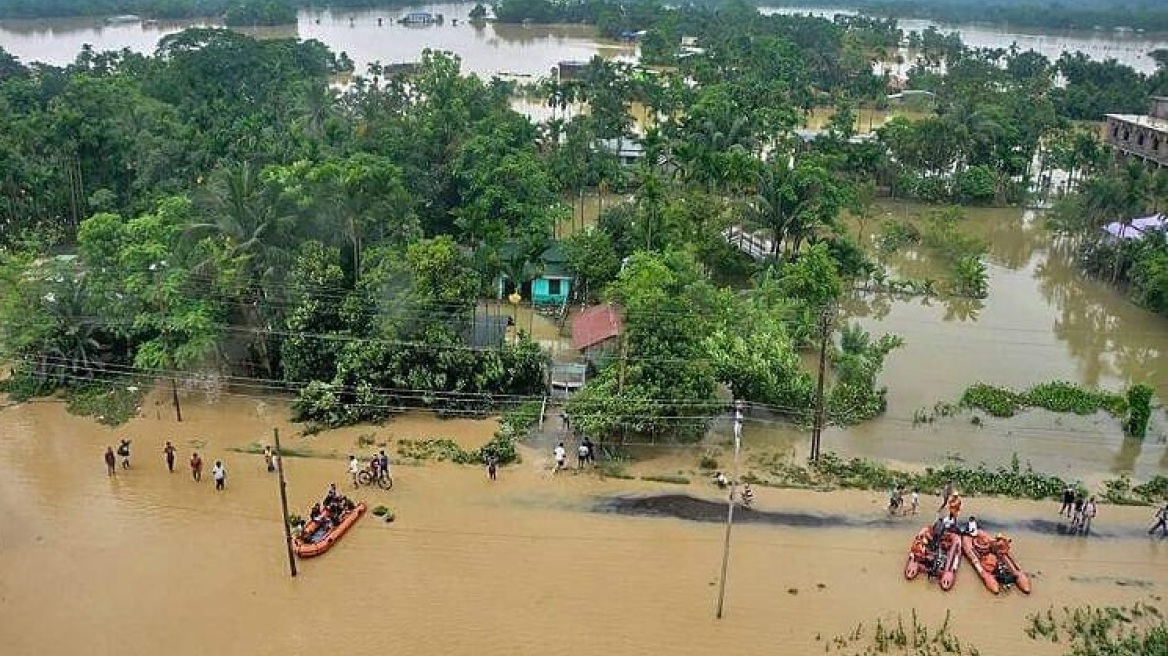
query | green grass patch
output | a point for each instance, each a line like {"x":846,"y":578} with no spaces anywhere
{"x":257,"y":449}
{"x":615,"y":469}
{"x":1016,"y":480}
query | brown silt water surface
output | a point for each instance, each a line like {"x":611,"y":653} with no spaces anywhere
{"x":151,"y":562}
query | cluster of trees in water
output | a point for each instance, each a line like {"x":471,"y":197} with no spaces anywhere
{"x":1080,"y":14}
{"x":222,"y":207}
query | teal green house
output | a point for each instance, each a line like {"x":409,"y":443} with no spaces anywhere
{"x":546,"y":282}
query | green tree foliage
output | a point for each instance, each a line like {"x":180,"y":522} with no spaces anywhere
{"x":662,"y":385}
{"x":856,"y":395}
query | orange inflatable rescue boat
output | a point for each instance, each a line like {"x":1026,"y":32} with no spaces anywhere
{"x":993,"y":562}
{"x":937,"y":557}
{"x":314,"y":540}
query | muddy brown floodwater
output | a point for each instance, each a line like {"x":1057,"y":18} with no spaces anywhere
{"x":151,"y":562}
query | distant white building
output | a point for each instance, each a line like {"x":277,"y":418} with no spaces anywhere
{"x":628,"y":151}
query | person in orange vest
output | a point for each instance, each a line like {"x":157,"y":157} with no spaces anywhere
{"x":954,"y":506}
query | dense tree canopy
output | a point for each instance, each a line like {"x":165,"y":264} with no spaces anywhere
{"x":220,"y":206}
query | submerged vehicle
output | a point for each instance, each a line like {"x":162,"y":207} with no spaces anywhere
{"x":993,"y":562}
{"x":315,"y":539}
{"x":936,"y":551}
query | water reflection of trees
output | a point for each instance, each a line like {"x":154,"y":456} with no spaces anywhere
{"x":877,"y":305}
{"x":1109,"y":335}
{"x":1013,"y":238}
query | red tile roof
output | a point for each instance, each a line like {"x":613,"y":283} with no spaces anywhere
{"x":594,"y":325}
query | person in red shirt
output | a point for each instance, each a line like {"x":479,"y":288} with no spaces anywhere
{"x":196,"y":467}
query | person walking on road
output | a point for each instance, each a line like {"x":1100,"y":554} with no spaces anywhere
{"x":383,"y":460}
{"x":196,"y":467}
{"x":492,"y":467}
{"x":269,"y":459}
{"x":168,"y":450}
{"x":1068,"y":501}
{"x":111,"y":463}
{"x":1161,"y":521}
{"x":219,"y":473}
{"x":124,"y":452}
{"x":354,"y":470}
{"x":561,"y":456}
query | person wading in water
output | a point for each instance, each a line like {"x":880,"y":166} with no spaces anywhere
{"x":168,"y":450}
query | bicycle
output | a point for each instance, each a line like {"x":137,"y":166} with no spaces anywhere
{"x":382,"y":480}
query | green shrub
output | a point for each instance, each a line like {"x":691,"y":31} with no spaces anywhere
{"x":1056,"y":396}
{"x":1139,"y":403}
{"x":380,"y":511}
{"x":998,"y":401}
{"x":113,"y":404}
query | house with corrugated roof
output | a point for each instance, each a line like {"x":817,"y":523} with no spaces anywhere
{"x":596,"y":332}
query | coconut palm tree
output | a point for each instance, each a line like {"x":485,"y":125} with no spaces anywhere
{"x":242,"y":221}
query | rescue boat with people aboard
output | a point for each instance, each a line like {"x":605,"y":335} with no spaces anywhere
{"x":314,"y":539}
{"x":937,"y":556}
{"x":993,"y":562}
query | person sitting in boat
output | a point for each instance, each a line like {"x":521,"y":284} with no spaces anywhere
{"x":317,"y":515}
{"x":331,"y":495}
{"x":971,"y":526}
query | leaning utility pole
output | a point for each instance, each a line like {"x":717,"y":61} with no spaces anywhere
{"x":730,"y":507}
{"x":824,"y":336}
{"x":284,"y":503}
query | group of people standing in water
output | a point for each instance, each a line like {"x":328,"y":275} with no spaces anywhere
{"x":218,"y":471}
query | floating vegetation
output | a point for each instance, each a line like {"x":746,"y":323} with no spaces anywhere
{"x":1103,"y":631}
{"x":915,"y":639}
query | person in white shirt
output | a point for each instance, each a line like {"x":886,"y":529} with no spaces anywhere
{"x":219,"y":474}
{"x":581,"y":456}
{"x":354,"y":470}
{"x":561,"y":455}
{"x":915,"y":500}
{"x":971,"y":526}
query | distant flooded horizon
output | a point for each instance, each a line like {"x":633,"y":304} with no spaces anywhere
{"x":498,"y":49}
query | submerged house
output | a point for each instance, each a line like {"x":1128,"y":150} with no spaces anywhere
{"x":627,"y":151}
{"x":546,"y":282}
{"x":420,"y":18}
{"x":1137,"y":228}
{"x":595,"y":333}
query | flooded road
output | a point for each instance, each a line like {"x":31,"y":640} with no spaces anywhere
{"x":152,"y":560}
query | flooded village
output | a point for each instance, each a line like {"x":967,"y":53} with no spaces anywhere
{"x":491,"y":552}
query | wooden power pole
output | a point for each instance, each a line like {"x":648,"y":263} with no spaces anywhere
{"x":284,"y":504}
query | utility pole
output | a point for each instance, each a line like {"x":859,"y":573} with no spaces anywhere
{"x":284,"y":503}
{"x":824,"y":336}
{"x":730,"y":510}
